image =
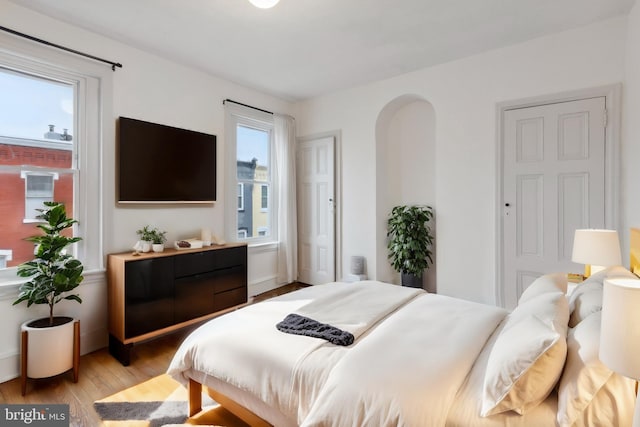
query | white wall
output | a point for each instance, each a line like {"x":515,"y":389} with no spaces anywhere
{"x":630,"y":152}
{"x":154,"y":89}
{"x":405,"y":162}
{"x":464,"y":95}
{"x":411,"y":148}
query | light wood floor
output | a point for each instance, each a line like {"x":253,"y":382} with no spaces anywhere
{"x":101,"y":375}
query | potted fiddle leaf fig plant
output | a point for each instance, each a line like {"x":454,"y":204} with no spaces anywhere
{"x":53,"y":274}
{"x":410,"y":241}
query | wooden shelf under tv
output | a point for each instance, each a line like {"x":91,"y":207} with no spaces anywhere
{"x":156,"y":293}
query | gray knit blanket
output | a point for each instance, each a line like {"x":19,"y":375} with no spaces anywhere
{"x":301,"y":325}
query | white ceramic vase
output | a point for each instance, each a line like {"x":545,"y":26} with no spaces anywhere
{"x":158,"y":247}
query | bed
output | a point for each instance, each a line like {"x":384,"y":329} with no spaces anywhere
{"x":417,"y":359}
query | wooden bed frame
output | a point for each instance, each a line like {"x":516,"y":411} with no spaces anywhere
{"x":195,"y":405}
{"x":195,"y":388}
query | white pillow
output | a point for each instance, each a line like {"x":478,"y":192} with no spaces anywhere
{"x":615,"y":271}
{"x":613,"y":404}
{"x":582,"y":390}
{"x":554,"y":282}
{"x":584,"y":374}
{"x":528,"y":356}
{"x":586,"y":299}
{"x":587,"y":296}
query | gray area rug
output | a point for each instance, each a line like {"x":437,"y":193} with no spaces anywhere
{"x":157,"y":413}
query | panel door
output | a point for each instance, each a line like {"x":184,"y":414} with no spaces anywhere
{"x":553,"y":183}
{"x":316,"y":212}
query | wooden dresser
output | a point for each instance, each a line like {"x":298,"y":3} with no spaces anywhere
{"x":155,"y":293}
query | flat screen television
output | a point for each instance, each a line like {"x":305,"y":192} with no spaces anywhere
{"x":164,"y":164}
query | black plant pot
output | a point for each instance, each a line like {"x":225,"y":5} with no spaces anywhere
{"x":411,"y":280}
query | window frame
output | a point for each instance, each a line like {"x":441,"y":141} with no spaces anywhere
{"x":92,"y":88}
{"x":236,"y":115}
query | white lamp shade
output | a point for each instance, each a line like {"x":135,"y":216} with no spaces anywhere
{"x":596,"y":247}
{"x":264,"y":4}
{"x":620,"y":329}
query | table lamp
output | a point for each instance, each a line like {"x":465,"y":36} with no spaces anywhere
{"x":620,"y":330}
{"x":596,"y":249}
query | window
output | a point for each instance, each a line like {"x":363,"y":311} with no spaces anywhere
{"x":39,"y":189}
{"x":264,"y":198}
{"x":250,"y":149}
{"x":32,"y":154}
{"x":241,"y":196}
{"x":49,"y":97}
{"x":5,"y":257}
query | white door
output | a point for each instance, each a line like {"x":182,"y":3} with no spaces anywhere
{"x":553,"y":183}
{"x":316,"y":211}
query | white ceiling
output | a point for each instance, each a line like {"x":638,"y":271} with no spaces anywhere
{"x":305,"y":48}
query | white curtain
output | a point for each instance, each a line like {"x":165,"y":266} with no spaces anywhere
{"x":285,"y":147}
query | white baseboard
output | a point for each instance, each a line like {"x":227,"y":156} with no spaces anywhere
{"x":94,"y":340}
{"x":262,"y":286}
{"x":9,"y":365}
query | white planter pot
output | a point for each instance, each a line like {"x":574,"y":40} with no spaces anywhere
{"x":50,"y":350}
{"x":146,"y":246}
{"x":157,"y":247}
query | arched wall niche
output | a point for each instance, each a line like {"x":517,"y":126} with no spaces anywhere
{"x":405,"y":171}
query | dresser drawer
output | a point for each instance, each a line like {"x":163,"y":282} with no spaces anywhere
{"x":230,"y":257}
{"x":231,"y":278}
{"x":194,"y":263}
{"x":194,"y":296}
{"x":230,"y":298}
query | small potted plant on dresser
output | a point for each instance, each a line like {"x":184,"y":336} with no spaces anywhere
{"x":50,"y":345}
{"x":146,"y":238}
{"x":410,"y":242}
{"x":157,"y":240}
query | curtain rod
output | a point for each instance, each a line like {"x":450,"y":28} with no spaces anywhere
{"x":245,"y":105}
{"x":35,"y":39}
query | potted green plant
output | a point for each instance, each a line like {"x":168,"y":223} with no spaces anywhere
{"x":157,"y":239}
{"x":52,"y":273}
{"x":146,"y":238}
{"x":410,"y":242}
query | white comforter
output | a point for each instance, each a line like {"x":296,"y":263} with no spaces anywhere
{"x":411,"y":354}
{"x":407,"y":371}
